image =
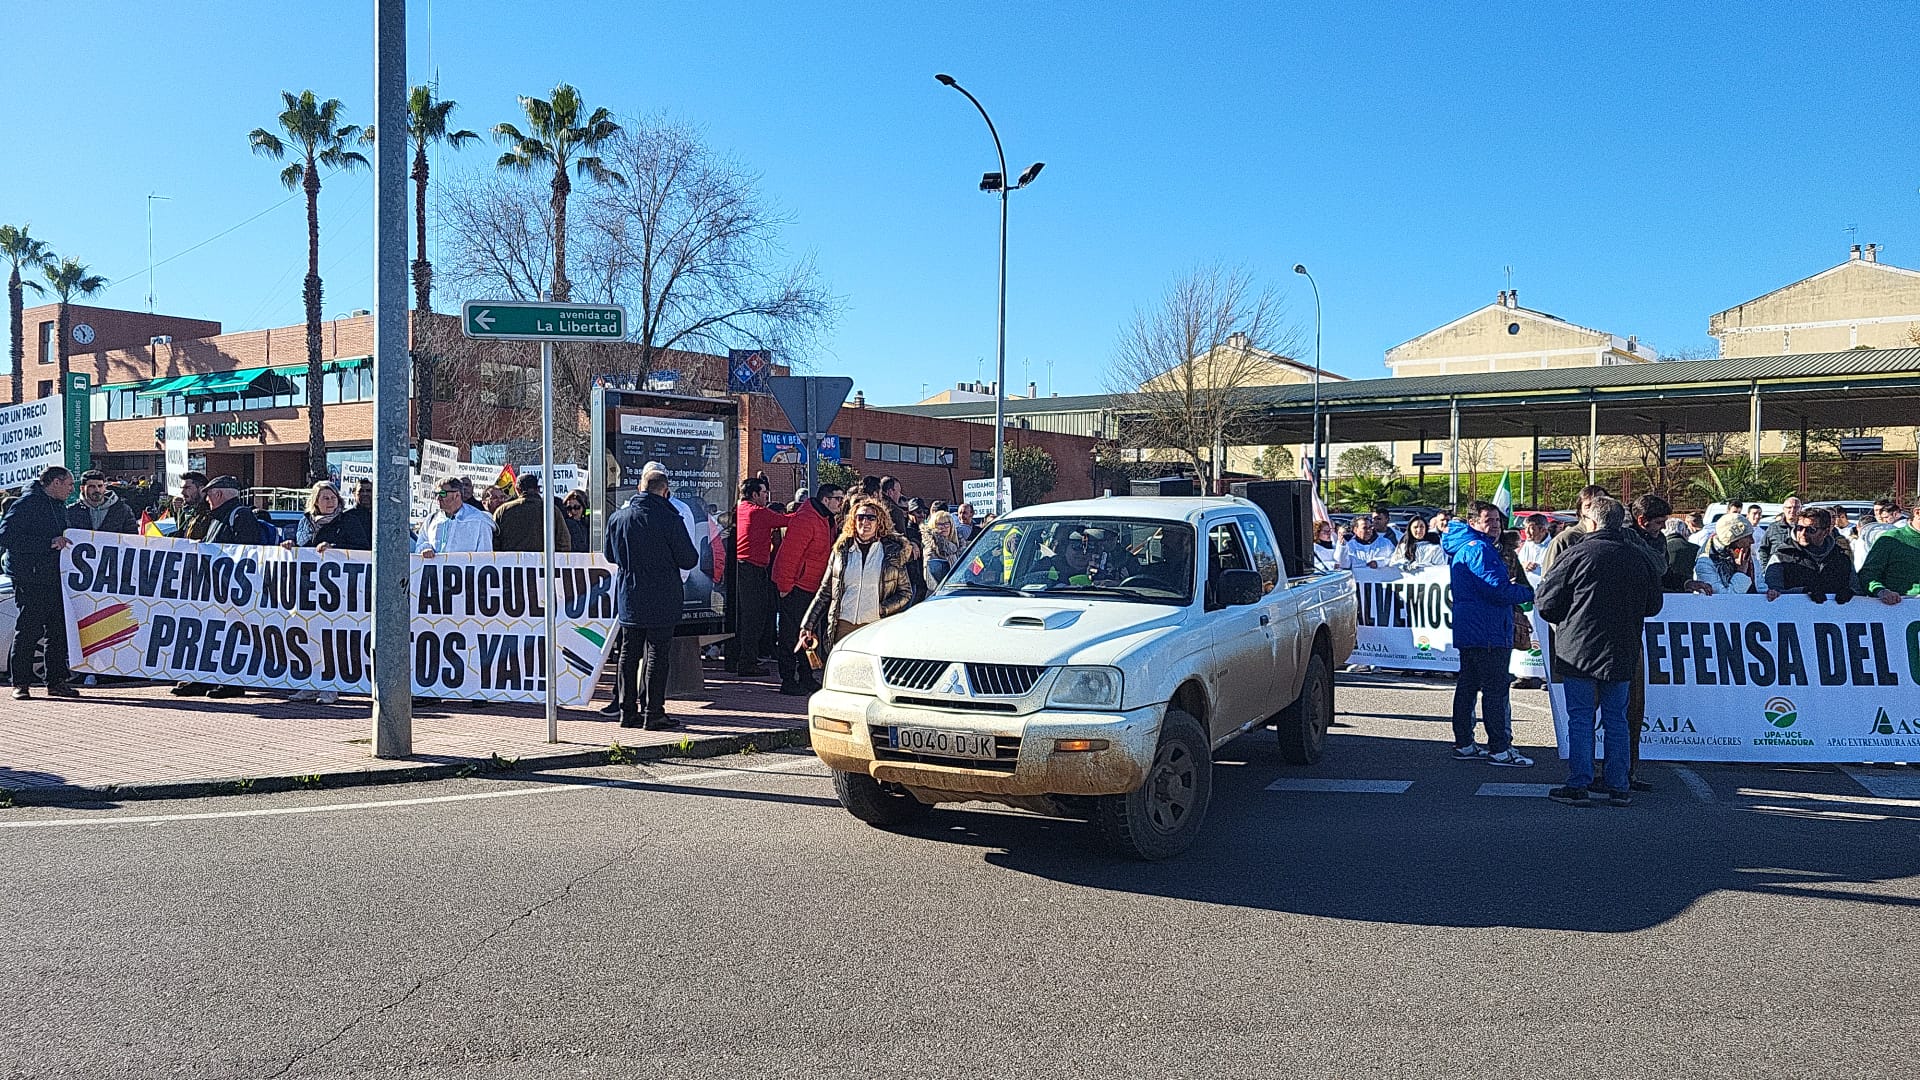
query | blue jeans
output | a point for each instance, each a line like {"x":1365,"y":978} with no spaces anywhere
{"x":1483,"y":673}
{"x":1583,"y":696}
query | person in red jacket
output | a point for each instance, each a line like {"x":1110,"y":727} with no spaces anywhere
{"x":797,"y":569}
{"x":754,"y":522}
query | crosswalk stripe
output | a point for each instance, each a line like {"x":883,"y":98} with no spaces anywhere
{"x":1886,"y":785}
{"x":1372,"y":787}
{"x":1516,"y":791}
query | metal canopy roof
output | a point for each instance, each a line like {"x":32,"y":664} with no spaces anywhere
{"x":1859,"y":388}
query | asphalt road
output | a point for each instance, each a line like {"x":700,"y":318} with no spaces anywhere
{"x":727,"y":919}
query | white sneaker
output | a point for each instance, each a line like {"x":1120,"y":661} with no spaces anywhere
{"x":1469,"y":752}
{"x":328,"y":697}
{"x":302,"y":695}
{"x":1511,"y":758}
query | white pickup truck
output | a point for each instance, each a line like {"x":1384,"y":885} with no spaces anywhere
{"x":1080,"y":660}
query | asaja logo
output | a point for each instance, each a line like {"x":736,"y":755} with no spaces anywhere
{"x":1781,"y":712}
{"x":1887,"y":725}
{"x":1882,"y":723}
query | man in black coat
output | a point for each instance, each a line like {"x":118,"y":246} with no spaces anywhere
{"x":1598,"y":597}
{"x":31,"y":536}
{"x":647,"y":539}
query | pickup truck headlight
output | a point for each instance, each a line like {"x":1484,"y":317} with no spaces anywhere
{"x":1086,"y":688}
{"x":849,"y":672}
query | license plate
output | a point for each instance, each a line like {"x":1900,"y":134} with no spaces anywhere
{"x":937,"y":743}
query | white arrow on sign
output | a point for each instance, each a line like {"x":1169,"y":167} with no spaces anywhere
{"x":484,"y":319}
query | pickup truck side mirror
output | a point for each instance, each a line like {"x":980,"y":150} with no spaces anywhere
{"x":1237,"y":588}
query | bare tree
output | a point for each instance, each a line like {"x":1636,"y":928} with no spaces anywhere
{"x":692,"y":248}
{"x":1475,"y":454}
{"x":1186,"y":367}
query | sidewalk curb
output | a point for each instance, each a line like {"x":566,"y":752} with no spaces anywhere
{"x":703,"y":747}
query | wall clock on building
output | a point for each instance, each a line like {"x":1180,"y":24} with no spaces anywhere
{"x":83,"y":334}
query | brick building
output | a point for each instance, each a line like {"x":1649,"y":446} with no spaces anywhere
{"x":244,"y":395}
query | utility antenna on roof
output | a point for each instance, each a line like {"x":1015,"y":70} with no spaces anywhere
{"x":1509,"y":279}
{"x":1851,"y":229}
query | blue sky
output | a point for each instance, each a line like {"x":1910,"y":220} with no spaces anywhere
{"x":1638,"y":173}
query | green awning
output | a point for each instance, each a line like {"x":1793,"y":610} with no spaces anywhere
{"x":166,"y":387}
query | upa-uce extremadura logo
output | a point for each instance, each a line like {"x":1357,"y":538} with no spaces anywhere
{"x":1781,"y":715}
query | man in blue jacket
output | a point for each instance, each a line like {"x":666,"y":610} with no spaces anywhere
{"x":648,"y":541}
{"x":1484,"y":596}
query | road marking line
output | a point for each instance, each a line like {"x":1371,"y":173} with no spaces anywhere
{"x":1374,"y":787}
{"x":1821,"y":796}
{"x":1886,"y":785}
{"x":1695,"y":783}
{"x":545,"y":789}
{"x":1516,"y":791}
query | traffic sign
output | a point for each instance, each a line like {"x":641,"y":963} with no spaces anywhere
{"x":811,"y":402}
{"x":514,"y":320}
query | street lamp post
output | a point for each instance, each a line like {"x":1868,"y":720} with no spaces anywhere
{"x":1301,"y":269}
{"x":997,"y":182}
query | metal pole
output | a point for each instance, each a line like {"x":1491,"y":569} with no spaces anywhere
{"x":1593,"y":441}
{"x":1753,"y":426}
{"x":392,"y":550}
{"x":1000,"y":368}
{"x":813,"y":442}
{"x":1301,"y":269}
{"x":1533,"y":487}
{"x":546,"y":519}
{"x":1453,"y":455}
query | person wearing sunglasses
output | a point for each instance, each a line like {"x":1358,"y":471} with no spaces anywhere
{"x":1813,"y":562}
{"x":866,"y":579}
{"x":455,"y":526}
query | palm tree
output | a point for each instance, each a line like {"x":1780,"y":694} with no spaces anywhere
{"x":22,"y":252}
{"x":555,"y":136}
{"x":69,"y":279}
{"x":313,"y":129}
{"x":426,"y":124}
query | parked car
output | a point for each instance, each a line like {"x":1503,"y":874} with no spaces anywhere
{"x":1081,"y":660}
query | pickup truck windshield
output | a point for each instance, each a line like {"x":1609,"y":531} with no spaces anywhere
{"x":1108,"y":558}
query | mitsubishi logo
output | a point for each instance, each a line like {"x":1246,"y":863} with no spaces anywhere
{"x":956,"y":684}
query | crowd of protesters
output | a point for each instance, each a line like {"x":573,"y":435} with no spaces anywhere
{"x":1596,"y":580}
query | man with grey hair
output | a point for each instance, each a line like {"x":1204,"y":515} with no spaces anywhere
{"x":1597,"y":598}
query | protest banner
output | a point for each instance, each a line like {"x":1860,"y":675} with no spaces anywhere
{"x":1406,"y":623}
{"x":438,"y":460}
{"x":31,"y":438}
{"x":156,"y":608}
{"x":1740,"y":678}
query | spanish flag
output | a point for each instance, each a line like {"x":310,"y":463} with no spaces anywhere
{"x":147,"y":525}
{"x":507,"y":478}
{"x":105,"y":628}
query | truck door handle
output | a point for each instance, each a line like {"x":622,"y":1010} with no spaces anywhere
{"x":1264,"y":620}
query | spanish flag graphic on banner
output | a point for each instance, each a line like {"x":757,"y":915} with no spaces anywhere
{"x":105,"y":628}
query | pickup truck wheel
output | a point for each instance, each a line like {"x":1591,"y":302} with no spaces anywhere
{"x":1303,"y":725}
{"x":876,"y":803}
{"x":1162,"y":817}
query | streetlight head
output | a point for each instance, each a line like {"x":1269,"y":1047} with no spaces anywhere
{"x":945,"y":80}
{"x":992,"y":181}
{"x":1299,"y":268}
{"x":1032,"y":172}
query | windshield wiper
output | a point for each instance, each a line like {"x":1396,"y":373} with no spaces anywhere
{"x":1105,"y":590}
{"x":986,"y":587}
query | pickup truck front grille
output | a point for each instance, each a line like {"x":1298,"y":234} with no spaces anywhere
{"x":911,"y":674}
{"x":1003,"y":680}
{"x":957,"y":704}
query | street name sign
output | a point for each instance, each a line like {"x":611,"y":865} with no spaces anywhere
{"x":515,"y":320}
